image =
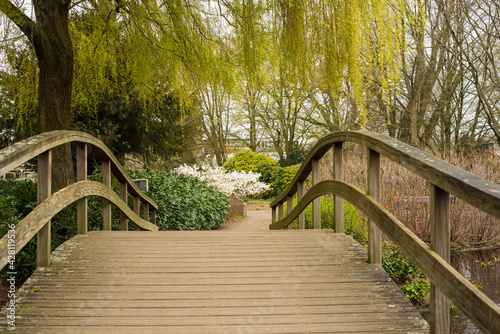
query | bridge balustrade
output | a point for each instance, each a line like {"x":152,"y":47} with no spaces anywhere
{"x":445,"y":179}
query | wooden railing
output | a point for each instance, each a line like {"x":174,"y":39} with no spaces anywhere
{"x":38,"y":221}
{"x":433,"y":260}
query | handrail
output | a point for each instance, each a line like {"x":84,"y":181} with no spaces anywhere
{"x":27,"y":149}
{"x":446,"y":282}
{"x":38,"y":221}
{"x":476,"y":191}
{"x":28,"y":227}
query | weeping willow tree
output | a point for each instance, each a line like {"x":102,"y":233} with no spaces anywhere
{"x":305,"y":48}
{"x":173,"y":29}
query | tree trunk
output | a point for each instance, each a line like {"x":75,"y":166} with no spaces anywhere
{"x":54,"y":51}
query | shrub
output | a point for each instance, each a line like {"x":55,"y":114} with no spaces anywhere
{"x":397,"y":265}
{"x":184,"y":202}
{"x":247,"y":161}
{"x":231,"y":183}
{"x":416,"y":291}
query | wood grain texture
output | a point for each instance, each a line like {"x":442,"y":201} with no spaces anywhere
{"x":471,"y":188}
{"x":213,"y":282}
{"x":480,"y":309}
{"x":37,"y":218}
{"x":22,"y":151}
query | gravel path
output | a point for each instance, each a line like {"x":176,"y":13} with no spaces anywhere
{"x":255,"y":221}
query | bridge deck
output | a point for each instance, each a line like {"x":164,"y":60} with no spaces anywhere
{"x":312,"y":281}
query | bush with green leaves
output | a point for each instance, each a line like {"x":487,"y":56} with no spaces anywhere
{"x":184,"y":202}
{"x":247,"y":161}
{"x":417,"y":290}
{"x":276,"y":176}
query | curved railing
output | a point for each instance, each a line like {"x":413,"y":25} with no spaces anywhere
{"x":38,"y":221}
{"x":433,"y":260}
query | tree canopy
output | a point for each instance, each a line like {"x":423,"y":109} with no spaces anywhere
{"x":159,"y":78}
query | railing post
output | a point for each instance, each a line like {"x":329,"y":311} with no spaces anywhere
{"x":137,"y":209}
{"x":338,"y":174}
{"x":317,"y":201}
{"x":81,"y":175}
{"x":153,"y":216}
{"x":106,"y":206}
{"x":300,"y":194}
{"x":273,"y":215}
{"x":146,"y":211}
{"x":374,"y":234}
{"x":123,"y":196}
{"x":440,"y":243}
{"x":289,"y":208}
{"x":44,"y":189}
{"x":280,"y":212}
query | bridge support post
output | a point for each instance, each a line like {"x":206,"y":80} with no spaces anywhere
{"x":289,"y":208}
{"x":44,"y":190}
{"x":440,"y":243}
{"x":374,"y":234}
{"x":300,"y":194}
{"x":137,"y":209}
{"x":317,"y":201}
{"x":123,"y":196}
{"x":338,"y":174}
{"x":153,"y":216}
{"x":81,"y":175}
{"x":146,"y":211}
{"x":106,"y":206}
{"x":273,"y":215}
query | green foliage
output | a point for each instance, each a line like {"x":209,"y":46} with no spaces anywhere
{"x":277,"y":177}
{"x":17,"y":199}
{"x":248,"y":161}
{"x":184,"y":202}
{"x":397,"y":265}
{"x":355,"y":224}
{"x":417,"y":290}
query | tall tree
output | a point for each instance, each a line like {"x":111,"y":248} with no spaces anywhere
{"x":51,"y":40}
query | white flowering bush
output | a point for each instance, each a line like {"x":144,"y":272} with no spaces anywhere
{"x":232,"y":183}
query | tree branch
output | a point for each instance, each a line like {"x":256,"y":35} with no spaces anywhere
{"x":27,"y":25}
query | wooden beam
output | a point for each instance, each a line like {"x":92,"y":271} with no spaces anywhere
{"x":145,"y":207}
{"x":81,"y":175}
{"x":338,"y":174}
{"x":106,"y":206}
{"x":317,"y":201}
{"x":44,"y":190}
{"x":273,"y":215}
{"x":280,"y":212}
{"x":137,"y":209}
{"x":440,"y":243}
{"x":153,"y":216}
{"x":123,"y":196}
{"x":300,"y":194}
{"x":289,"y":208}
{"x":373,"y":189}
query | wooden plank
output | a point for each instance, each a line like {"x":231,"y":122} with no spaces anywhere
{"x":123,"y":196}
{"x":373,"y":189}
{"x":44,"y":190}
{"x":106,"y":205}
{"x":440,"y":243}
{"x":316,"y":176}
{"x":289,"y":208}
{"x":213,"y":287}
{"x":81,"y":175}
{"x":302,"y":215}
{"x":338,"y":174}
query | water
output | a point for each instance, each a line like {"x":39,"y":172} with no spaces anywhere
{"x":484,"y":268}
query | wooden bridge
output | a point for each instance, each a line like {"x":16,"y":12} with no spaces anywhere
{"x":277,"y":281}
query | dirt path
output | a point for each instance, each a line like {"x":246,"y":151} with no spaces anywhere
{"x":255,"y":221}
